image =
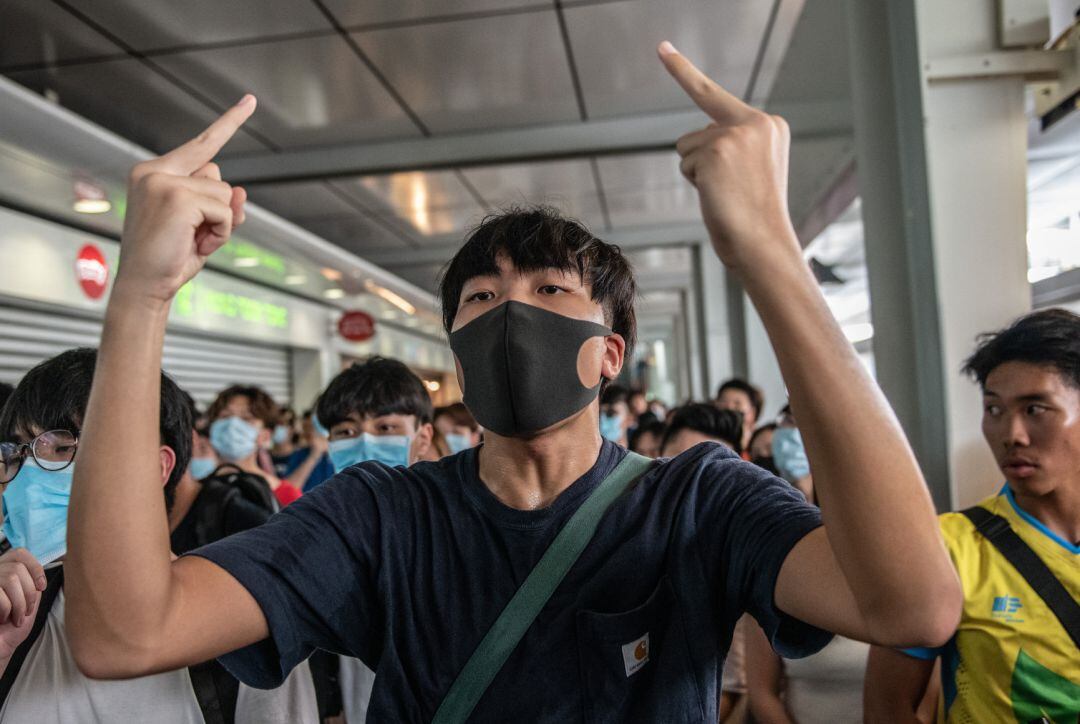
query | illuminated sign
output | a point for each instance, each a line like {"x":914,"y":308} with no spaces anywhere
{"x":92,"y":271}
{"x":197,"y":300}
{"x":356,"y":326}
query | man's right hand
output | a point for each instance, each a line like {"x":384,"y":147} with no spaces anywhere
{"x":22,"y":579}
{"x":179,"y":212}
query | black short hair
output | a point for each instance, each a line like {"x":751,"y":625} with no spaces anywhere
{"x":651,"y":427}
{"x":770,"y":427}
{"x":261,"y":404}
{"x":53,"y":396}
{"x":757,"y":398}
{"x":539,"y":237}
{"x":380,"y":386}
{"x":614,"y":393}
{"x":707,"y":419}
{"x":1049,"y":337}
{"x":5,"y":393}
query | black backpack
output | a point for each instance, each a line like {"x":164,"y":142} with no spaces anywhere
{"x":219,"y":489}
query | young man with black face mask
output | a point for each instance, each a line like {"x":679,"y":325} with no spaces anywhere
{"x":40,"y":431}
{"x":545,"y":575}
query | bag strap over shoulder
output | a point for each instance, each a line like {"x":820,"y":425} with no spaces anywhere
{"x":998,"y":531}
{"x":55,"y":578}
{"x":507,"y":631}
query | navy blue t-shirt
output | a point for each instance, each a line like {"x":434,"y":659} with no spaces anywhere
{"x":407,"y":569}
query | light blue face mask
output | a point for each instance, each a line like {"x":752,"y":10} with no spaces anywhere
{"x":319,"y":426}
{"x":789,"y":455}
{"x":202,"y":467}
{"x":233,"y":438}
{"x":391,"y":450}
{"x":457,"y":442}
{"x":611,"y":427}
{"x":35,"y":510}
{"x":282,"y":433}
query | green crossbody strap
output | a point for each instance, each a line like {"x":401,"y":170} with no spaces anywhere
{"x":505,"y":634}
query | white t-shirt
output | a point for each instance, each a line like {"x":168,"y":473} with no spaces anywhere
{"x":50,"y":689}
{"x":356,"y":682}
{"x":827,"y":687}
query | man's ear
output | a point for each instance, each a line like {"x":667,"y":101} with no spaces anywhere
{"x":168,"y":461}
{"x":421,"y":442}
{"x":614,"y":351}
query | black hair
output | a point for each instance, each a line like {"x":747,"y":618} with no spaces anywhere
{"x":5,"y":393}
{"x":757,"y":398}
{"x":54,"y":394}
{"x":651,"y":427}
{"x":380,"y":386}
{"x":707,"y":419}
{"x":260,"y":403}
{"x":770,"y":427}
{"x":539,"y":237}
{"x":1050,"y":337}
{"x":614,"y":393}
{"x":459,"y":414}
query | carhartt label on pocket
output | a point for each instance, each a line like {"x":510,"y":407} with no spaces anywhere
{"x":635,"y":654}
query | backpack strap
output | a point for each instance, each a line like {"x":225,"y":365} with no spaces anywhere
{"x":55,"y":578}
{"x":507,"y":631}
{"x":216,"y":691}
{"x":997,"y":530}
{"x":211,"y":507}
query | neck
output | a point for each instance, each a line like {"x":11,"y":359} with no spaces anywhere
{"x":1058,"y":510}
{"x":529,"y":474}
{"x":251,"y":465}
{"x":186,"y":491}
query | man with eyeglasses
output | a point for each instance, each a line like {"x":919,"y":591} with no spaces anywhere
{"x":39,"y":681}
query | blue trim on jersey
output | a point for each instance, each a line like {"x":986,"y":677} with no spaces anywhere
{"x":919,"y":652}
{"x":1035,"y":523}
{"x":950,"y":663}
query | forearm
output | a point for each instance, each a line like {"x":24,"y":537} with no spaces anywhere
{"x":117,"y":572}
{"x":895,"y":687}
{"x":877,"y":511}
{"x":299,"y":477}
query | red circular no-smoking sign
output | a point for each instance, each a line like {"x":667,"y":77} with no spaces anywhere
{"x":92,"y":271}
{"x":356,"y":326}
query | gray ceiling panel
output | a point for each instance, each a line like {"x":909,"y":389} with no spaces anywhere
{"x":429,"y":203}
{"x":640,"y":171}
{"x":152,"y":24}
{"x":131,"y":100}
{"x":478,"y":74}
{"x":311,"y":92}
{"x":355,"y":233}
{"x":42,"y":32}
{"x":677,"y":204}
{"x":350,"y":12}
{"x":615,"y":48}
{"x":551,"y":182}
{"x":300,"y":200}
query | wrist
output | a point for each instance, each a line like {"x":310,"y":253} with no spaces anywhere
{"x":130,"y":298}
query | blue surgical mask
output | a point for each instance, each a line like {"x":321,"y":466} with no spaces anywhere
{"x":36,"y":510}
{"x":233,"y":438}
{"x":319,"y":428}
{"x":611,"y":426}
{"x":202,"y":467}
{"x":391,"y":450}
{"x":282,"y":433}
{"x":458,"y":442}
{"x":789,"y":455}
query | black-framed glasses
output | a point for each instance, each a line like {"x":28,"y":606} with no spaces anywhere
{"x":53,"y":450}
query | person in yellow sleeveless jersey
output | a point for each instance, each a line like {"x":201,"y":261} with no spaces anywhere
{"x":1012,"y":658}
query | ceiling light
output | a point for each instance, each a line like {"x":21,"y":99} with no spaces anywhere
{"x":334,"y":293}
{"x":332,"y":274}
{"x":90,"y":198}
{"x":295,"y":279}
{"x":246,"y":261}
{"x":387,"y":295}
{"x":432,"y":385}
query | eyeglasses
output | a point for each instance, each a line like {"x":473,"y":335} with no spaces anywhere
{"x":53,"y":450}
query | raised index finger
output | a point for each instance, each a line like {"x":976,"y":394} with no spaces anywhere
{"x":710,"y":96}
{"x":199,"y":151}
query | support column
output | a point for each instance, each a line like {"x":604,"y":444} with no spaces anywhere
{"x":942,"y":171}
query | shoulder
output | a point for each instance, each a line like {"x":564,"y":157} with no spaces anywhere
{"x":711,"y":468}
{"x":966,"y":546}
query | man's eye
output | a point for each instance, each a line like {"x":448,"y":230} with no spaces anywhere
{"x":551,"y":289}
{"x":992,"y":410}
{"x":1036,"y":409}
{"x":480,"y":297}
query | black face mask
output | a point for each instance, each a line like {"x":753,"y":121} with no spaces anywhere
{"x":519,"y":364}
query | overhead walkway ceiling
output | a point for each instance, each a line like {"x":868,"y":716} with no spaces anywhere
{"x":390,"y":127}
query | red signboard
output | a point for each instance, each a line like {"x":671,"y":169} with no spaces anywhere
{"x":92,"y":271}
{"x":356,"y":326}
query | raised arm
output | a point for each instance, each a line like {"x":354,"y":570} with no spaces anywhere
{"x":130,"y":610}
{"x":879,"y":570}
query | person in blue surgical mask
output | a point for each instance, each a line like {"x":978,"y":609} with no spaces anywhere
{"x":458,"y":427}
{"x":615,"y":413}
{"x":789,"y":454}
{"x":40,"y":432}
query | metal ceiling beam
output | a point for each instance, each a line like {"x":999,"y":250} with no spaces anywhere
{"x":631,"y":134}
{"x":438,"y":250}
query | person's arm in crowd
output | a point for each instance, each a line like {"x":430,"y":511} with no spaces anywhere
{"x":764,"y":679}
{"x":878,"y":570}
{"x":130,"y":610}
{"x":897,"y":688}
{"x":317,"y":447}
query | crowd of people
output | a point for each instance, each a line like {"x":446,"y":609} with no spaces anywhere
{"x":555,"y":547}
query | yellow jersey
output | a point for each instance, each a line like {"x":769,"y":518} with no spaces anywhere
{"x":1011,"y":659}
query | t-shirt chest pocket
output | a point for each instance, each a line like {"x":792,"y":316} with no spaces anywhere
{"x":635,"y":665}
